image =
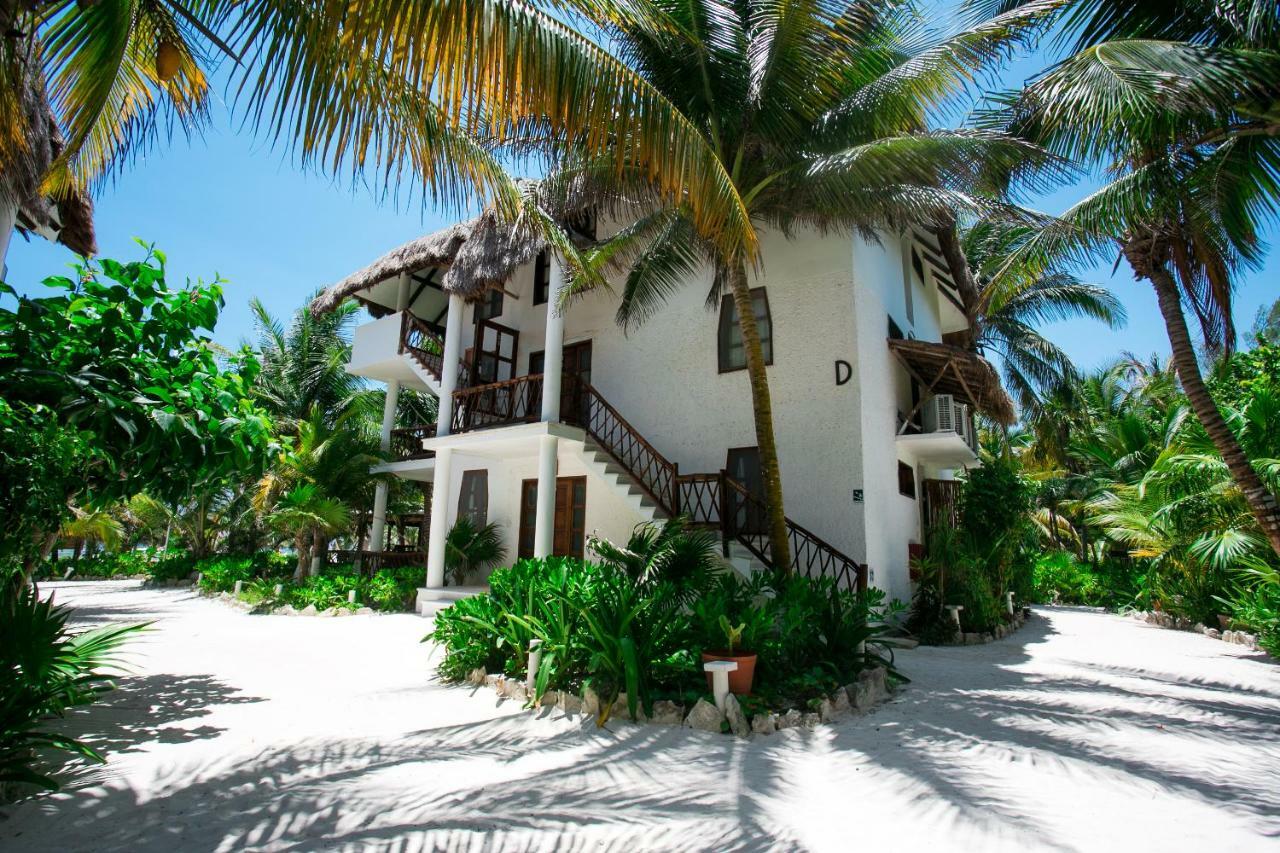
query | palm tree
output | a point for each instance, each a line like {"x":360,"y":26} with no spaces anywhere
{"x":310,"y":518}
{"x":818,"y":113}
{"x":1010,"y":307}
{"x":399,"y":86}
{"x":470,"y":547}
{"x":1187,"y":135}
{"x":304,"y":365}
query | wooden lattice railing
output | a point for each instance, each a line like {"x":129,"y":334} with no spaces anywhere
{"x":406,"y":442}
{"x":425,"y":345}
{"x":652,"y":471}
{"x":515,"y":401}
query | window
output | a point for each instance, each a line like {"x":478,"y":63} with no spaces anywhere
{"x":895,"y":331}
{"x":473,"y":499}
{"x":541,"y":278}
{"x":906,"y":480}
{"x":908,"y":284}
{"x":537,"y":362}
{"x":490,"y":306}
{"x":733,"y":356}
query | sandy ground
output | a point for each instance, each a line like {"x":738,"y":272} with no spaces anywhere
{"x":1083,"y":732}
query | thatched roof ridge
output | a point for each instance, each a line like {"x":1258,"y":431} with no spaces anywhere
{"x":947,"y":369}
{"x":480,"y":253}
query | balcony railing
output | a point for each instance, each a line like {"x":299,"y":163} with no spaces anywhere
{"x":425,"y":345}
{"x":515,"y":401}
{"x":406,"y":442}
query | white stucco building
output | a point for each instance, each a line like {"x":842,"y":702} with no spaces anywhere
{"x":557,"y":425}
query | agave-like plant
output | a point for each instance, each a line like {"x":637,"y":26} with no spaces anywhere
{"x":471,"y":547}
{"x":46,"y":669}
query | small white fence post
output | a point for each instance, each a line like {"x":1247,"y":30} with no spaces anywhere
{"x":720,"y":670}
{"x":535,"y":661}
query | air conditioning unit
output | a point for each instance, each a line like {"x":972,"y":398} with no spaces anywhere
{"x":940,"y":414}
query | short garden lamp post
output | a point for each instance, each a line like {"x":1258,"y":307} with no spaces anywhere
{"x":535,"y":660}
{"x":1008,"y":598}
{"x":720,"y":670}
{"x":955,"y":613}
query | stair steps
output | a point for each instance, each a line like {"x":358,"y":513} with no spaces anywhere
{"x":431,"y":601}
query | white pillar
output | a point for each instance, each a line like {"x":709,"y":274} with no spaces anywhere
{"x":439,"y":518}
{"x":402,"y":292}
{"x":378,"y":528}
{"x":553,"y":362}
{"x":544,"y":523}
{"x":449,"y":368}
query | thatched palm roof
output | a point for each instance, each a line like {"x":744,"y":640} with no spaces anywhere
{"x":946,"y":369}
{"x":69,"y":219}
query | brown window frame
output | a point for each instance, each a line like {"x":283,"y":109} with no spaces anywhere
{"x":492,"y":302}
{"x":906,"y":480}
{"x":728,"y":321}
{"x":541,"y":278}
{"x":467,"y":486}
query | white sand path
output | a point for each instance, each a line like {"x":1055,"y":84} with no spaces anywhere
{"x":1084,"y":731}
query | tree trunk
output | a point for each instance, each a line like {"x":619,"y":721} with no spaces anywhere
{"x":1261,"y":501}
{"x":318,"y":542}
{"x":304,"y":558}
{"x":762,"y":409}
{"x":953,"y":254}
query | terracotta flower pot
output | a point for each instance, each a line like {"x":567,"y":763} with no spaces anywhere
{"x":740,"y":679}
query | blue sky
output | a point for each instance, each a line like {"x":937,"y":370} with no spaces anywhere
{"x":232,"y":205}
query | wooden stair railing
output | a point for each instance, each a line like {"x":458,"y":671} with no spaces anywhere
{"x":406,"y":442}
{"x":513,"y":401}
{"x":425,"y":346}
{"x":707,"y":500}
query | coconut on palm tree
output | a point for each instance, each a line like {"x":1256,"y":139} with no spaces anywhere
{"x":819,"y":114}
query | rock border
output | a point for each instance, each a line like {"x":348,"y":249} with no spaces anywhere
{"x":870,"y":689}
{"x":1177,"y":623}
{"x":978,"y":638}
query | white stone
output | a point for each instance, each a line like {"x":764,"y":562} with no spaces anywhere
{"x":569,"y":703}
{"x":789,"y":720}
{"x":764,"y":723}
{"x":476,"y":677}
{"x":810,"y":721}
{"x":704,"y":717}
{"x":737,"y":720}
{"x":309,"y":610}
{"x":667,"y":713}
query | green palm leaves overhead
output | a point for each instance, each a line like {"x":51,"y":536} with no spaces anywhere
{"x":820,"y":114}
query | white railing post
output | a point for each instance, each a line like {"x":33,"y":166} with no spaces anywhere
{"x":449,"y":366}
{"x":553,"y":347}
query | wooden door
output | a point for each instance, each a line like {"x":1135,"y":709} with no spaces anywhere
{"x":743,"y":465}
{"x":494,"y":359}
{"x":570,"y":528}
{"x":577,"y":369}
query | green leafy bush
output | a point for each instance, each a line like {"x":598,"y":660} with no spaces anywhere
{"x":623,"y":627}
{"x":45,"y":669}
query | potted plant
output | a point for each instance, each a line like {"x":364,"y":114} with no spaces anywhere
{"x":740,"y":679}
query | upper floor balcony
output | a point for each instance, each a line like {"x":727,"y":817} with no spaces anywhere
{"x":942,"y":431}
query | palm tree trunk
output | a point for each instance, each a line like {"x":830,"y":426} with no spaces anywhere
{"x":304,"y":558}
{"x":953,"y":253}
{"x":762,"y":409}
{"x":1261,"y":501}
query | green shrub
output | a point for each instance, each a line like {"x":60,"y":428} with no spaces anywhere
{"x":619,"y":630}
{"x":219,"y":574}
{"x":45,"y":669}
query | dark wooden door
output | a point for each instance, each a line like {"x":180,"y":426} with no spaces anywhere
{"x":570,"y":533}
{"x":494,"y":358}
{"x":577,"y":369}
{"x":743,"y":465}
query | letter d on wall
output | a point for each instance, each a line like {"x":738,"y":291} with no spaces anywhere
{"x":844,"y":371}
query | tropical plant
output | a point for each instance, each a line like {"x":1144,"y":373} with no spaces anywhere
{"x":310,"y":518}
{"x":87,"y":526}
{"x":470,"y":548}
{"x":671,"y":551}
{"x":819,"y":115}
{"x":1012,"y":306}
{"x":119,"y":363}
{"x":1185,"y":130}
{"x":46,"y":669}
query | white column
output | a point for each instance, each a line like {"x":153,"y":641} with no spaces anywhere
{"x":449,"y":368}
{"x":553,"y":362}
{"x":378,"y":528}
{"x":440,"y":498}
{"x":402,"y":292}
{"x":544,"y":522}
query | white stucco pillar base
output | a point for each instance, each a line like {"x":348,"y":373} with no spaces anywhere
{"x":439,"y":518}
{"x":544,"y":525}
{"x":378,"y":528}
{"x":553,"y":358}
{"x":449,"y":367}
